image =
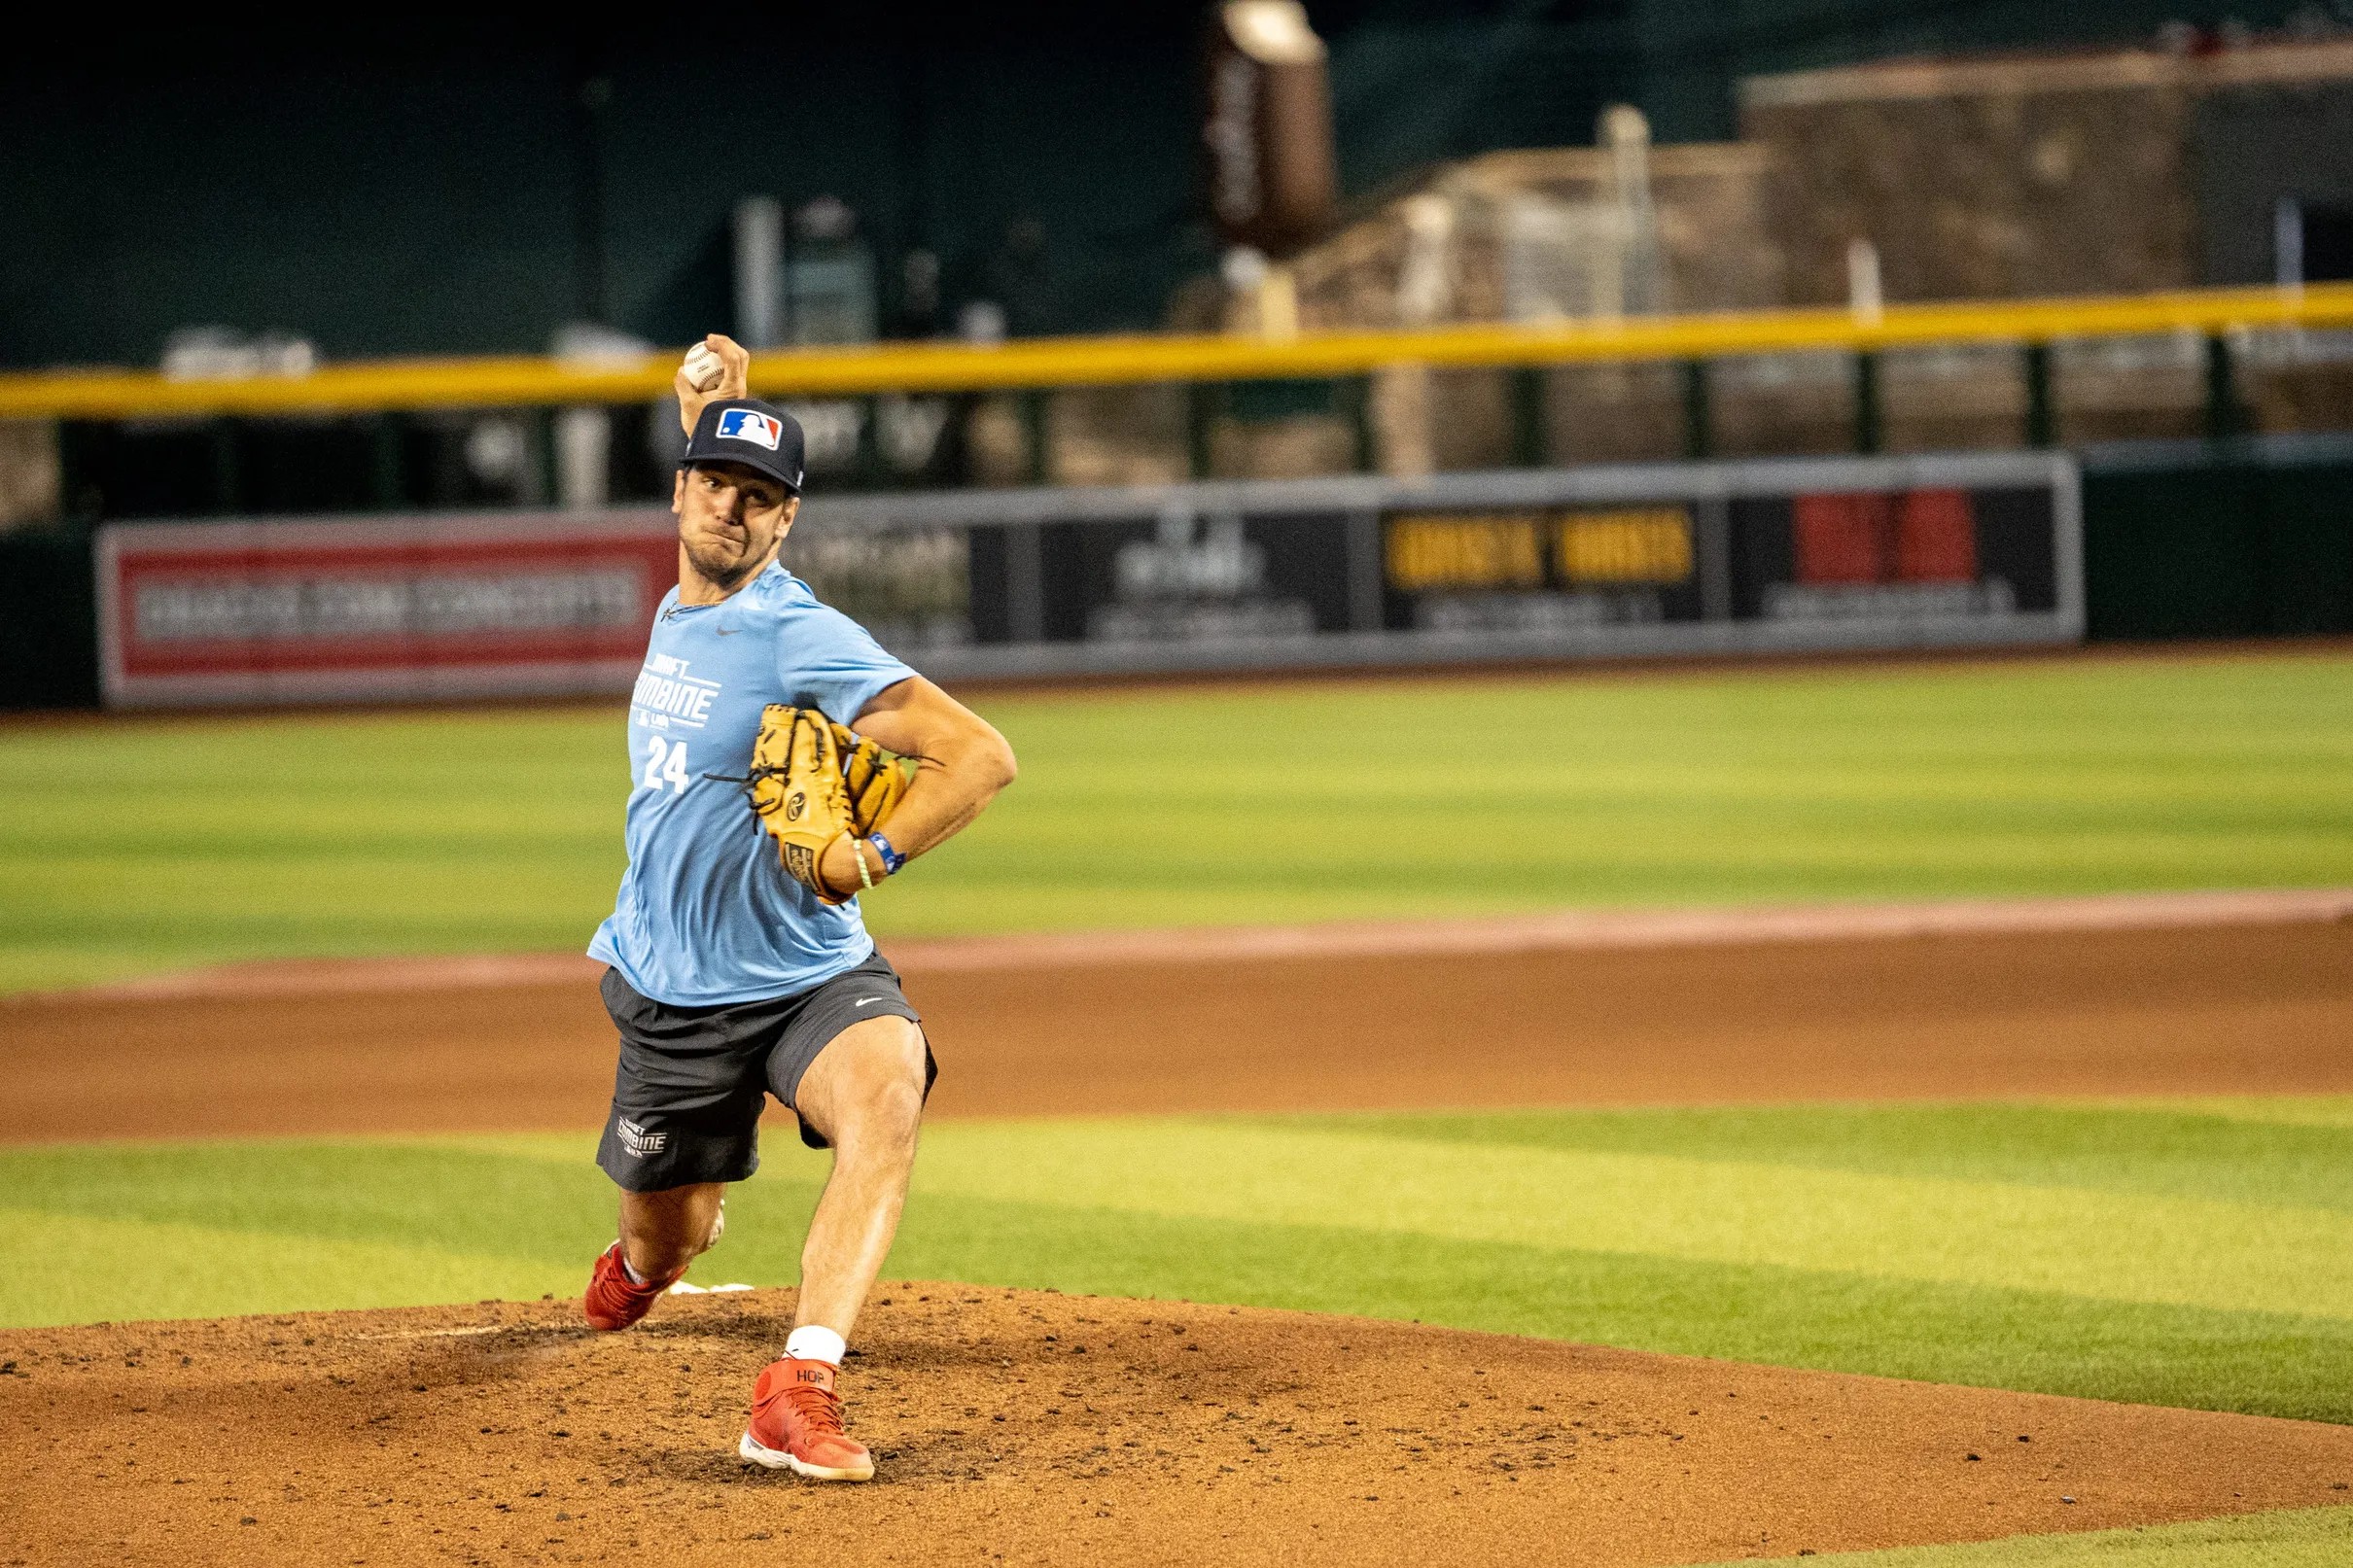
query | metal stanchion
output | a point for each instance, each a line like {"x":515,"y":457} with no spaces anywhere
{"x":1698,"y":434}
{"x":2042,"y":413}
{"x":1870,"y":436}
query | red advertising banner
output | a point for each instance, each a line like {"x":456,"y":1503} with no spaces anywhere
{"x":1863,"y":536}
{"x":383,"y":608}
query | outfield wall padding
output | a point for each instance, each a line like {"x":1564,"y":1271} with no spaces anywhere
{"x":2248,"y":541}
{"x":2189,"y":539}
{"x":49,"y":621}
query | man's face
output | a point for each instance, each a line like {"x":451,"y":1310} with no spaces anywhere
{"x":731,"y":519}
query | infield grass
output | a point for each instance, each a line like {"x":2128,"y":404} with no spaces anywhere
{"x":143,"y":843}
{"x":2193,"y":1255}
{"x":2298,"y":1537}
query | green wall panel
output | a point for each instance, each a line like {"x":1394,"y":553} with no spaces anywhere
{"x":2234,"y":549}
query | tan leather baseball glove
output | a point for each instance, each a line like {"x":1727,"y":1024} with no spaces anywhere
{"x":813,"y":781}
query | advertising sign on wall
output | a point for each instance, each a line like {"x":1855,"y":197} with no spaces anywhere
{"x":377,"y":608}
{"x":1786,"y":556}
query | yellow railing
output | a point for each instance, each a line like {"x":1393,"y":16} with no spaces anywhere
{"x":1034,"y":363}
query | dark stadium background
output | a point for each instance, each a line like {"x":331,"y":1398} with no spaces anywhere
{"x":430,"y":185}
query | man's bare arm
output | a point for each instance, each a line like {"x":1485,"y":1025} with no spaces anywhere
{"x":960,"y":763}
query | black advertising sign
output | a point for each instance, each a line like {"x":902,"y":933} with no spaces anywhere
{"x":1935,"y":551}
{"x":1184,"y":577}
{"x":1692,"y":558}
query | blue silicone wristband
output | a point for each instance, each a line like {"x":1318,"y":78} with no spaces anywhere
{"x":892,"y":859}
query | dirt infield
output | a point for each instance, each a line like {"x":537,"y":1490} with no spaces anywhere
{"x":2206,"y":993}
{"x":1033,"y":1428}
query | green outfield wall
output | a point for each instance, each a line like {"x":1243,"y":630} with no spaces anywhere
{"x":48,"y":623}
{"x":2256,"y":541}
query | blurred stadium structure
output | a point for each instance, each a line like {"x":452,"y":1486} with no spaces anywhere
{"x":2142,"y":254}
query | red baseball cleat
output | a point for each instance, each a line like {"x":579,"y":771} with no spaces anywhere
{"x":796,"y":1424}
{"x":613,"y":1301}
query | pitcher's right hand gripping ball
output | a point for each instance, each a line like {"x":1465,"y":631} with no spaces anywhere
{"x":703,"y":368}
{"x":813,"y":781}
{"x":718,"y":367}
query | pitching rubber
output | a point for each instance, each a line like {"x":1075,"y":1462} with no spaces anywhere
{"x":758,"y":1452}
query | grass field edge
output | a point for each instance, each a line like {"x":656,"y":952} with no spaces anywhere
{"x":2271,"y":1539}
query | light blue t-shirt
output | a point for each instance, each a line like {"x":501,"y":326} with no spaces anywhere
{"x":706,"y":915}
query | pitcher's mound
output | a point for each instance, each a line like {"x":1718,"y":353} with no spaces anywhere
{"x":1043,"y":1428}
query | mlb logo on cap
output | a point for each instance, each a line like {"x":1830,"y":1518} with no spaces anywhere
{"x":749,"y":425}
{"x":750,"y":434}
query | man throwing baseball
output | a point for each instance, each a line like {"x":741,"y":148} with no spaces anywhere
{"x":739,"y":964}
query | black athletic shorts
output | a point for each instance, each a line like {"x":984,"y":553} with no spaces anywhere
{"x":691,"y":1082}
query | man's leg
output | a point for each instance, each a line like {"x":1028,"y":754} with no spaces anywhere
{"x":661,"y":1233}
{"x":687,"y":1089}
{"x":864,"y":1096}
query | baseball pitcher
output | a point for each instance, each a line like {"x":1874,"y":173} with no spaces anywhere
{"x":781,"y":764}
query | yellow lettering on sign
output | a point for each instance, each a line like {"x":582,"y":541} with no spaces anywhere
{"x":1649,"y":546}
{"x":1460,"y":550}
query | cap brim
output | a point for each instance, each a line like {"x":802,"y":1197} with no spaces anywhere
{"x":758,"y":461}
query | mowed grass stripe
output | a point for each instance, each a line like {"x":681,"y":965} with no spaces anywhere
{"x":2272,"y":1110}
{"x":550,"y":1205}
{"x":2260,"y":1362}
{"x":2238,"y":1305}
{"x":2244,"y":1361}
{"x":2085,"y":1241}
{"x":324,"y":1245}
{"x":74,"y":1268}
{"x":2269,"y":1152}
{"x":2302,"y":1538}
{"x":2101,"y":1237}
{"x":501,"y":830}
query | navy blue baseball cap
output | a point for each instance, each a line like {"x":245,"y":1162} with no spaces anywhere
{"x":745,"y":430}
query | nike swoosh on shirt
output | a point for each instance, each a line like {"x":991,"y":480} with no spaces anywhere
{"x":867,"y":1002}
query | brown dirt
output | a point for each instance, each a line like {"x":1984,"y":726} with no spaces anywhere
{"x":1049,"y":1429}
{"x":1205,"y":1022}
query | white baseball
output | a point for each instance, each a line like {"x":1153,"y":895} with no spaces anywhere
{"x":703,"y":367}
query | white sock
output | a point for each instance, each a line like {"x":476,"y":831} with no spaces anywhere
{"x":814,"y":1341}
{"x":635,"y":1279}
